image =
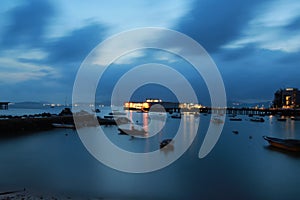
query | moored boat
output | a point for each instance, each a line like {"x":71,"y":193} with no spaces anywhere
{"x":295,"y":118}
{"x":217,"y":120}
{"x":286,"y":144}
{"x":132,"y":131}
{"x":58,"y":125}
{"x":235,"y":119}
{"x":257,"y":119}
{"x":165,"y":143}
{"x":281,"y":119}
{"x":176,"y":115}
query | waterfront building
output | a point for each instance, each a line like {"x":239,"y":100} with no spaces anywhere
{"x":146,"y":106}
{"x":167,"y":106}
{"x":4,"y":105}
{"x":287,"y":98}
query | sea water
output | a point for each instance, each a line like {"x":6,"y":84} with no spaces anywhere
{"x":240,"y":166}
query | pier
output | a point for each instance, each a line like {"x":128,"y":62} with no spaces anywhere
{"x":252,"y":111}
{"x":4,"y":105}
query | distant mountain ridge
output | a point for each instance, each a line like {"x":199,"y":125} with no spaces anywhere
{"x":237,"y":104}
{"x":28,"y":104}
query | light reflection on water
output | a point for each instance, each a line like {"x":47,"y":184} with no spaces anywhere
{"x":239,"y":167}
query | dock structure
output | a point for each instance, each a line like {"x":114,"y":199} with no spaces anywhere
{"x":252,"y":111}
{"x":4,"y":105}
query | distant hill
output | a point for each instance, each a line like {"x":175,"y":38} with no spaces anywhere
{"x":236,"y":104}
{"x":28,"y":104}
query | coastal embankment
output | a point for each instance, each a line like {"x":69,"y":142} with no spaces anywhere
{"x":11,"y":126}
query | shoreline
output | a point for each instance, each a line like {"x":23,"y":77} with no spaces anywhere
{"x":21,"y":126}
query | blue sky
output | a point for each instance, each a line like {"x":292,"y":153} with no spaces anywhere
{"x":255,"y":44}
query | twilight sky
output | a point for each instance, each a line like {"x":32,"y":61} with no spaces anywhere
{"x":255,"y":44}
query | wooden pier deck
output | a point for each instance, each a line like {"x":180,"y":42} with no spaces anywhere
{"x":252,"y":111}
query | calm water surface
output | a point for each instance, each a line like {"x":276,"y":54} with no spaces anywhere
{"x":240,"y":165}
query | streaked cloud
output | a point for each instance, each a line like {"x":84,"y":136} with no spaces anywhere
{"x":274,"y":27}
{"x":13,"y":72}
{"x":27,"y":24}
{"x":42,"y":43}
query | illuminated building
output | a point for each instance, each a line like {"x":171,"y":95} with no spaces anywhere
{"x":287,"y":98}
{"x":158,"y":104}
{"x":146,"y":106}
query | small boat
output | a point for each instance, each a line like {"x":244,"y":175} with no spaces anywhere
{"x":235,"y":119}
{"x":257,"y":119}
{"x":286,"y":144}
{"x":108,"y":116}
{"x":165,"y":143}
{"x":235,"y":132}
{"x":281,"y":119}
{"x":58,"y":125}
{"x":97,"y":110}
{"x":118,"y":113}
{"x":217,"y":120}
{"x":157,"y":116}
{"x":295,"y":118}
{"x":132,"y":132}
{"x":176,"y":115}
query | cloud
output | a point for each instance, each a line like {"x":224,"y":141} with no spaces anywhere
{"x":275,"y":27}
{"x":27,"y":24}
{"x":257,"y":73}
{"x":75,"y":46}
{"x":294,"y":25}
{"x":215,"y":23}
{"x":24,"y":71}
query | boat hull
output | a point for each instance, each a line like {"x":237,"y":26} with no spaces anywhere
{"x":57,"y":125}
{"x":286,"y":144}
{"x":235,"y":119}
{"x":132,"y":132}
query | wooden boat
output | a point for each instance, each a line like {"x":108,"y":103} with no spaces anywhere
{"x":235,"y":119}
{"x":165,"y":143}
{"x":295,"y":118}
{"x":57,"y":125}
{"x":176,"y":115}
{"x":257,"y":119}
{"x":132,"y":132}
{"x":281,"y":119}
{"x":217,"y":120}
{"x":108,"y":116}
{"x":286,"y":144}
{"x":118,"y":113}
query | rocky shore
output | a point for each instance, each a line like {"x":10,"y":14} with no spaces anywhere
{"x":20,"y":125}
{"x":28,"y":194}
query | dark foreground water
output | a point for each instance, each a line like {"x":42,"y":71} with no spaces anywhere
{"x":241,"y":166}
